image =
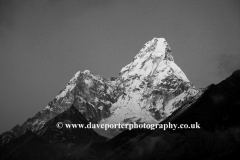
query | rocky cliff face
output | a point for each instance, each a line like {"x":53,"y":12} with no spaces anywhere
{"x":148,"y":90}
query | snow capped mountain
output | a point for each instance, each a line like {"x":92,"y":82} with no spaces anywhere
{"x":148,"y":90}
{"x":154,"y":86}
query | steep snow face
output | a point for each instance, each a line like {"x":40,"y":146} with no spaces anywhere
{"x":155,"y":57}
{"x":148,"y":59}
{"x":154,"y":86}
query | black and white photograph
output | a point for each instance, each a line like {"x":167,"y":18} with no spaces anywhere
{"x":120,"y":79}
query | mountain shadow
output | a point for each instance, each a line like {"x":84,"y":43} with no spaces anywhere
{"x":30,"y":147}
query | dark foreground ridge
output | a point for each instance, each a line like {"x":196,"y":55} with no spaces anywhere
{"x":216,"y":110}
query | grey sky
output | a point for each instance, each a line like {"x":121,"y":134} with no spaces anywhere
{"x":43,"y":43}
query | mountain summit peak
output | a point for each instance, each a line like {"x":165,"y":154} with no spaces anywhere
{"x":153,"y":54}
{"x":158,"y":48}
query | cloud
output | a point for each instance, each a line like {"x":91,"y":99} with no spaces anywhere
{"x":228,"y":63}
